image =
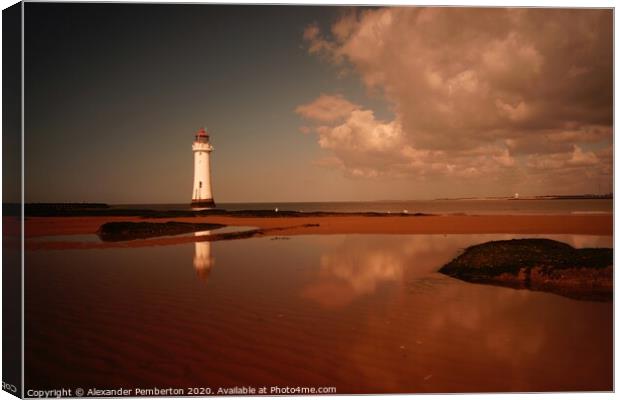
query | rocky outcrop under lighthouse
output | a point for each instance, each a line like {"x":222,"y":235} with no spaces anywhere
{"x":203,"y":203}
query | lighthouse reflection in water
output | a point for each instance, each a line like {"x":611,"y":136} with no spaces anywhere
{"x":203,"y":260}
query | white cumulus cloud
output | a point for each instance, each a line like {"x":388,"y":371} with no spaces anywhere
{"x":475,"y":92}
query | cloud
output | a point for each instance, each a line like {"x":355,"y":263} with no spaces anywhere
{"x":366,"y":147}
{"x":474,"y":91}
{"x":361,"y":132}
{"x":582,"y":158}
{"x":327,"y":108}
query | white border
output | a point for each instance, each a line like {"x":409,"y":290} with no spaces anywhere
{"x":479,"y":3}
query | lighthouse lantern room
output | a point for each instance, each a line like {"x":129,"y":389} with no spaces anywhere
{"x":202,"y":196}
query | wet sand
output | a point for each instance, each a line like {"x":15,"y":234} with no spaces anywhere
{"x":362,"y":313}
{"x":444,"y":224}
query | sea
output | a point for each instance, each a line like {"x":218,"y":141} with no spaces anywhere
{"x":442,"y":207}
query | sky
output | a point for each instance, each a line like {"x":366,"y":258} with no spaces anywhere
{"x":309,"y":103}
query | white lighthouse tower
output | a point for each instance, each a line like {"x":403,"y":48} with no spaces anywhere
{"x":202,"y":196}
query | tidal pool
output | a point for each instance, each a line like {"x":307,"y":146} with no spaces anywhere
{"x":361,"y":313}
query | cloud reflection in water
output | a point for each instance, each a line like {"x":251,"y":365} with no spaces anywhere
{"x":360,"y":265}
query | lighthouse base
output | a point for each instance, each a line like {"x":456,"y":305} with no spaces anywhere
{"x":203,"y":203}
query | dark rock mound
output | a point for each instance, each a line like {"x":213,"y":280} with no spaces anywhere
{"x":538,"y":264}
{"x":120,"y":231}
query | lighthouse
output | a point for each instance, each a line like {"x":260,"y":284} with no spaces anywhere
{"x":202,"y":196}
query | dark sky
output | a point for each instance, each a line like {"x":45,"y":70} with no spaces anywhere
{"x":114,"y":93}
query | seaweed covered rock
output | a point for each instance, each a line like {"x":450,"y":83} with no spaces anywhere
{"x":120,"y":231}
{"x":538,"y":264}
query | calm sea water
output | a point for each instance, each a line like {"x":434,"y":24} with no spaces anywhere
{"x":362,"y":313}
{"x":423,"y":206}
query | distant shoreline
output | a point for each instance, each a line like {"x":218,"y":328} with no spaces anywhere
{"x":92,"y":205}
{"x":549,"y":197}
{"x":469,"y":206}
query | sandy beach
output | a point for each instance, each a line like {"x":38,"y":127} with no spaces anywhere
{"x":355,"y":224}
{"x":522,"y":224}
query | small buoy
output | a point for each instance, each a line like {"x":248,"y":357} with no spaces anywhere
{"x":276,"y":209}
{"x":405,"y":211}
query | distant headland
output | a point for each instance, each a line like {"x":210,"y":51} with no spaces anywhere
{"x":544,"y":197}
